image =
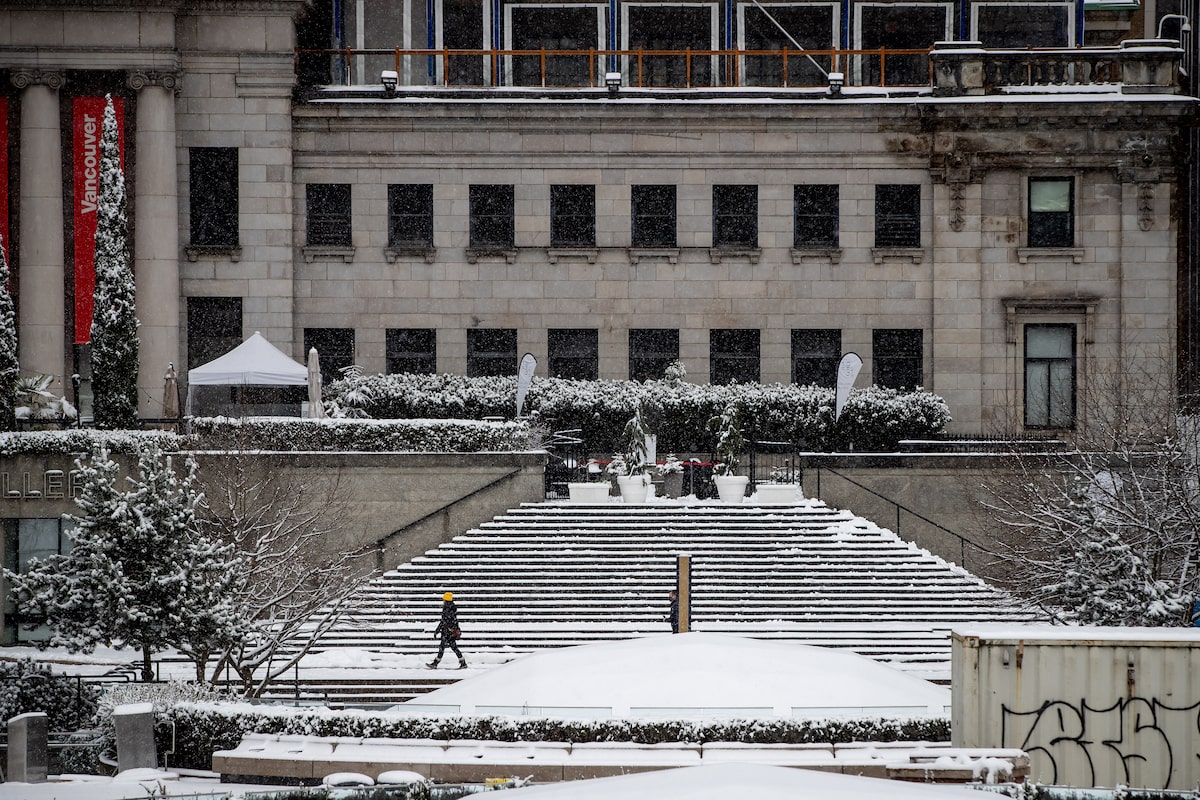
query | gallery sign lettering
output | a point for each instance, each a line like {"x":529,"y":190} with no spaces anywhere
{"x":52,"y":484}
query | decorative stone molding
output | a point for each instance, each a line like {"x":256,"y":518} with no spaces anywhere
{"x":589,"y":254}
{"x":392,"y":254}
{"x":831,"y":254}
{"x":914,"y":254}
{"x":137,"y":80}
{"x":509,"y":254}
{"x":718,"y":254}
{"x":638,"y":254}
{"x":23,"y":78}
{"x":957,"y":215}
{"x":325,"y":253}
{"x":1080,"y":307}
{"x":195,"y":252}
{"x":1145,"y":204}
{"x":1075,"y":254}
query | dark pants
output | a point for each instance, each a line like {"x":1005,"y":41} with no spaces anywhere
{"x":448,"y":641}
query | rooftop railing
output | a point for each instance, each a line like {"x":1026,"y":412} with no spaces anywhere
{"x":948,"y":68}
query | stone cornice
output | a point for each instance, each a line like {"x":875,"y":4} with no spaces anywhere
{"x":289,"y":8}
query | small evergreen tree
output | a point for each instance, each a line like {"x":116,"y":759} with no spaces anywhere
{"x":114,"y":326}
{"x":139,"y":573}
{"x":10,"y":369}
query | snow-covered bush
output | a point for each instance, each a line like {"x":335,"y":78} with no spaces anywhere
{"x":202,"y":728}
{"x":390,"y":435}
{"x":874,"y":419}
{"x":26,"y":686}
{"x":34,"y":400}
{"x":74,"y":441}
{"x":10,"y":368}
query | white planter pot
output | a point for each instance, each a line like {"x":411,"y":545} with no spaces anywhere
{"x":731,"y":488}
{"x":634,"y":488}
{"x":588,"y":492}
{"x":777,"y":493}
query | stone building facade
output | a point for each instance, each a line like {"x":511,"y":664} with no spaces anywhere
{"x":992,"y":241}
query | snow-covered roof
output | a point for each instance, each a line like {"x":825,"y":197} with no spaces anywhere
{"x":254,"y":362}
{"x":1010,"y":632}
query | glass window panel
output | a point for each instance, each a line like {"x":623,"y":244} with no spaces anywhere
{"x":1049,"y":195}
{"x":650,"y":351}
{"x":1049,"y":342}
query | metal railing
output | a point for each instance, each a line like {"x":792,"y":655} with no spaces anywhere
{"x":640,"y":67}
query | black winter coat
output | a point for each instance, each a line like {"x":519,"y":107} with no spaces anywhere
{"x":449,"y":621}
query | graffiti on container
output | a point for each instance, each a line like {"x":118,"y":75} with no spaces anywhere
{"x":1135,"y":741}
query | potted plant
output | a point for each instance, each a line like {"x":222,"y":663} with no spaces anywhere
{"x":782,"y":488}
{"x":731,"y":487}
{"x":633,"y":480}
{"x":593,"y":489}
{"x":671,"y":471}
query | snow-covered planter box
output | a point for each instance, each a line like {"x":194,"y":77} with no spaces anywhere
{"x":362,"y":435}
{"x":202,"y":728}
{"x":874,"y":418}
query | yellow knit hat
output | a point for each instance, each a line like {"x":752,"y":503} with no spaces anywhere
{"x":448,"y":597}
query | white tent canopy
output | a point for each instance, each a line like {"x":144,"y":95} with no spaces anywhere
{"x":254,"y":362}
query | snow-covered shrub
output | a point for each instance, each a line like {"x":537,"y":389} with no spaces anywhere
{"x":74,"y":441}
{"x":34,"y":400}
{"x":202,"y":728}
{"x":26,"y":686}
{"x":390,"y":435}
{"x":874,"y":418}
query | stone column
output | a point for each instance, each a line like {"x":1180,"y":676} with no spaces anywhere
{"x":28,"y":748}
{"x":134,"y":723}
{"x":40,"y":261}
{"x":156,"y":235}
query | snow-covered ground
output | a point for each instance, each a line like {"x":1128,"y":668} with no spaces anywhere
{"x":691,"y":674}
{"x":135,"y":783}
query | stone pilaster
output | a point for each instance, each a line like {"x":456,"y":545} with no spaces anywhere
{"x":41,"y":263}
{"x":156,"y":235}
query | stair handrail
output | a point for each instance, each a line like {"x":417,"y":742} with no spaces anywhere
{"x":381,"y":545}
{"x":963,"y":541}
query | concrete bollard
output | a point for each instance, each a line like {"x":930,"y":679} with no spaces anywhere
{"x":135,"y":736}
{"x":28,"y":748}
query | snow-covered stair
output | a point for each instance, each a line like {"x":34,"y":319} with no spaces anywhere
{"x":555,"y":574}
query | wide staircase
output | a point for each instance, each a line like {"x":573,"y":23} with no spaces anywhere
{"x":556,"y":574}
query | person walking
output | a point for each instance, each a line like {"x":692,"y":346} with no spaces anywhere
{"x":448,"y":632}
{"x":673,"y":616}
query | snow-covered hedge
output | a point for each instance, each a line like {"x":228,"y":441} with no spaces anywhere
{"x":81,"y":440}
{"x":409,"y":435}
{"x":873,"y":419}
{"x":203,"y":728}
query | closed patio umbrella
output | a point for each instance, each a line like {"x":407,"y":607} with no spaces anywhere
{"x":315,"y":408}
{"x":170,"y":409}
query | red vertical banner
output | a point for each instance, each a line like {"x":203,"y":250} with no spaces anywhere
{"x":4,"y":188}
{"x":87,"y":126}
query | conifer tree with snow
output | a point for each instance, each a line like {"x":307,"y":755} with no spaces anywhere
{"x":139,"y":573}
{"x":10,"y":369}
{"x":114,"y":326}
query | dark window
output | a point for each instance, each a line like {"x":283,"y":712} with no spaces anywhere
{"x":572,"y":353}
{"x":335,"y":350}
{"x":668,"y":28}
{"x":492,"y":215}
{"x":572,"y":216}
{"x":653,"y":216}
{"x":650,"y":351}
{"x":735,"y":216}
{"x":491,"y":351}
{"x":556,"y":28}
{"x":1049,"y":376}
{"x":816,"y":209}
{"x":328,"y":214}
{"x":410,"y":215}
{"x":733,"y":356}
{"x":25,"y":540}
{"x":213,"y":196}
{"x":896,"y":26}
{"x":898,"y":215}
{"x":1013,"y":25}
{"x":809,"y":25}
{"x":898,"y":358}
{"x":1051,"y":212}
{"x":214,"y":327}
{"x":411,"y":350}
{"x":815,"y":357}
